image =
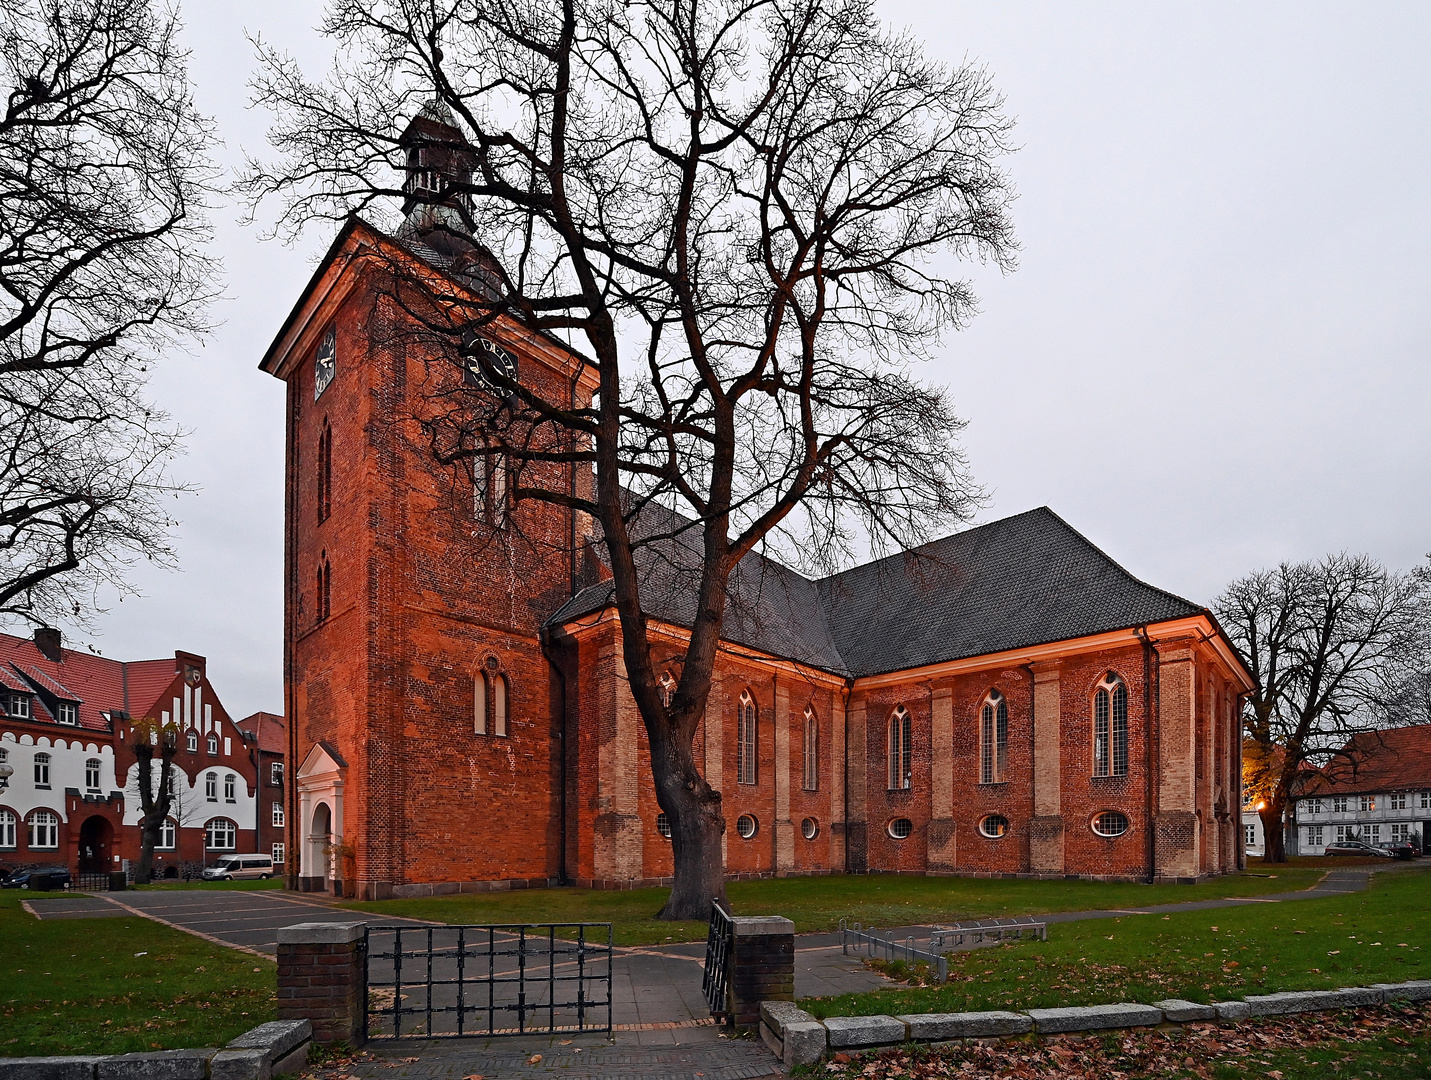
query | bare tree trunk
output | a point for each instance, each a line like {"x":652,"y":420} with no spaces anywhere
{"x":1274,"y":848}
{"x":693,"y":809}
{"x":153,"y":810}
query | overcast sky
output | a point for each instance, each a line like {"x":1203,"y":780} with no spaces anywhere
{"x":1213,"y":356}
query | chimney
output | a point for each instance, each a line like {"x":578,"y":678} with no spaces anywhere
{"x":47,"y":640}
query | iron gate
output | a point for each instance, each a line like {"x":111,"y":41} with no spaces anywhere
{"x":718,"y":943}
{"x":505,"y":979}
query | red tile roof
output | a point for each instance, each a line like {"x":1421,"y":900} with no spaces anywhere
{"x":1393,"y":759}
{"x":269,"y":727}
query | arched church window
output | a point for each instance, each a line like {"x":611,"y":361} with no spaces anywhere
{"x":1110,"y":727}
{"x":666,"y":686}
{"x":812,"y":750}
{"x":490,"y":693}
{"x":325,"y":472}
{"x":993,"y":739}
{"x":901,"y":776}
{"x":746,"y":719}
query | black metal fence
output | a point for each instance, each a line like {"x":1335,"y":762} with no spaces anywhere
{"x":506,"y":979}
{"x":718,"y":945}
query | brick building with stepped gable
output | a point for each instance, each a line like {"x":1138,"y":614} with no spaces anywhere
{"x":1007,"y":700}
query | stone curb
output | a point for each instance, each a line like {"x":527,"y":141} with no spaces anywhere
{"x":263,"y":1052}
{"x":797,"y":1038}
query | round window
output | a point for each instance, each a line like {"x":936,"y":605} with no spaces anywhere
{"x":810,"y":828}
{"x":746,"y":826}
{"x":993,"y":826}
{"x":1110,"y":823}
{"x":663,"y":825}
{"x":900,"y":827}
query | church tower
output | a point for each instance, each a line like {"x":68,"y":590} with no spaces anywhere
{"x":424,"y":743}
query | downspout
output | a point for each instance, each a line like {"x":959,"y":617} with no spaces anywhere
{"x":1150,"y":728}
{"x":544,"y":636}
{"x":845,"y":766}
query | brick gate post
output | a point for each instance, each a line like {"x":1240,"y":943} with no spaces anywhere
{"x":762,"y":965}
{"x":321,"y":979}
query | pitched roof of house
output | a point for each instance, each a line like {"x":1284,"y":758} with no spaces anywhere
{"x":269,"y":730}
{"x":1025,"y":580}
{"x":1391,"y":759}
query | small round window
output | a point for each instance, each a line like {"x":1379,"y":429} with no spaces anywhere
{"x":993,"y":826}
{"x":809,"y":828}
{"x":746,"y":826}
{"x":663,"y":825}
{"x":900,"y":828}
{"x":1110,"y":823}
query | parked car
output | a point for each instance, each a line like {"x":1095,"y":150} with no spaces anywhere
{"x":1356,"y":847}
{"x":240,"y":868}
{"x":1400,"y":849}
{"x":59,"y":878}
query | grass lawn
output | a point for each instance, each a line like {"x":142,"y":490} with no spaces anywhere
{"x":1381,"y":935}
{"x":120,"y":985}
{"x":819,"y":903}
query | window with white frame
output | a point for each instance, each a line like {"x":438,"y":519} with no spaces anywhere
{"x":44,"y":829}
{"x":1110,"y":727}
{"x":168,"y":834}
{"x":221,"y":835}
{"x":91,"y":774}
{"x":1373,"y":834}
{"x":277,"y":815}
{"x":213,"y":744}
{"x":1339,"y":804}
{"x":746,"y":746}
{"x":229,"y":787}
{"x":1426,"y":800}
{"x":211,"y":787}
{"x":1251,"y":831}
{"x":68,"y":713}
{"x":993,"y":738}
{"x":1345,"y":833}
{"x":191,"y":742}
{"x":1314,"y":836}
{"x":1366,"y":803}
{"x":901,"y":773}
{"x":811,"y":779}
{"x":1311,"y":806}
{"x":7,"y":830}
{"x":277,"y":856}
{"x":18,"y":706}
{"x":275,"y":774}
{"x":1398,"y":801}
{"x":1400,"y":833}
{"x":42,"y":770}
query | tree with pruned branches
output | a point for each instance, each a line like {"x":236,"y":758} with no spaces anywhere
{"x":1336,"y":646}
{"x":154,"y":744}
{"x":746,"y":215}
{"x":104,"y":175}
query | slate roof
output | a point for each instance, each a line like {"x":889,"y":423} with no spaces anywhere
{"x":1025,"y":580}
{"x":1392,"y":759}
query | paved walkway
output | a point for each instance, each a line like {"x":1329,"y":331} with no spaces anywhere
{"x":661,"y":1026}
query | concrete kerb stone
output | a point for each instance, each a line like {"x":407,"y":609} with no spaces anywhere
{"x":1095,"y":1017}
{"x":936,"y":1027}
{"x":784,"y":1022}
{"x":1185,"y":1012}
{"x":263,"y":1052}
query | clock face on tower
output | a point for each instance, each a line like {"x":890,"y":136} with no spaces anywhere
{"x":325,"y":363}
{"x":480,"y":351}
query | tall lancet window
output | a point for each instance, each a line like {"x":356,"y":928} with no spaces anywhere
{"x":1110,"y":727}
{"x":901,"y":774}
{"x":812,"y":750}
{"x":746,"y":716}
{"x":993,"y":739}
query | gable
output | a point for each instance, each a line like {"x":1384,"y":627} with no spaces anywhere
{"x":322,"y":758}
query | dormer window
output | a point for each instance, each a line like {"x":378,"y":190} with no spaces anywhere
{"x":68,"y":713}
{"x":18,"y":706}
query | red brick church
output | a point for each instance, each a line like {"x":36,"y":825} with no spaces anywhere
{"x":1007,"y":700}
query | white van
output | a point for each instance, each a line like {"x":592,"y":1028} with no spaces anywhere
{"x":240,"y":868}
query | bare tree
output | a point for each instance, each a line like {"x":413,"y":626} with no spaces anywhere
{"x":156,"y":793}
{"x":745,"y":214}
{"x":103,"y":180}
{"x":1328,"y":643}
